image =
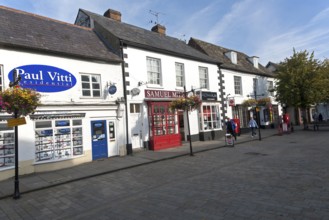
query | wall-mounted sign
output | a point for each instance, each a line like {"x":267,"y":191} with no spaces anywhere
{"x":16,"y":121}
{"x":135,"y":91}
{"x":209,"y":96}
{"x":112,"y":89}
{"x":162,"y":94}
{"x":231,"y":102}
{"x":43,"y":78}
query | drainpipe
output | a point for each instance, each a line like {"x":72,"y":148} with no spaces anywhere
{"x":128,"y":145}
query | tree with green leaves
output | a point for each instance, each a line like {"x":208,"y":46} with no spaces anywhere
{"x":323,"y":84}
{"x":300,"y":81}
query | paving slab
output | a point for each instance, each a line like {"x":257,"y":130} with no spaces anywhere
{"x":36,"y":181}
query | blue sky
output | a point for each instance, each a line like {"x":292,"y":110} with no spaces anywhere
{"x":269,"y":29}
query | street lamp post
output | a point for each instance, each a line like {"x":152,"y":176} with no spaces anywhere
{"x":15,"y":82}
{"x":188,"y":124}
{"x":257,"y":114}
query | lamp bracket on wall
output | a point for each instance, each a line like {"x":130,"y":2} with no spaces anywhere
{"x":109,"y":83}
{"x":120,"y":100}
{"x":140,"y":83}
{"x":135,"y":91}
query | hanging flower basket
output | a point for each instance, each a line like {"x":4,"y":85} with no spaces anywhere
{"x":189,"y":103}
{"x":259,"y":102}
{"x":249,"y":103}
{"x":19,"y":100}
{"x":264,"y":101}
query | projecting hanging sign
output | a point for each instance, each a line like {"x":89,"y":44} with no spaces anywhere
{"x":209,"y":96}
{"x":43,"y":78}
{"x":231,"y":102}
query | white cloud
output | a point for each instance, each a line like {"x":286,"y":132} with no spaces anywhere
{"x":255,"y":27}
{"x":324,"y":14}
{"x":229,"y":20}
{"x":312,"y":36}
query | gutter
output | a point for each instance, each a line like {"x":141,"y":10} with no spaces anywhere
{"x":128,"y":145}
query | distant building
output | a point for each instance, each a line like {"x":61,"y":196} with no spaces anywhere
{"x":272,"y":67}
{"x":243,"y":77}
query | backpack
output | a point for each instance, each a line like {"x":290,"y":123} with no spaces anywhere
{"x":229,"y":126}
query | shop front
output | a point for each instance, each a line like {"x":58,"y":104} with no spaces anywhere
{"x":209,"y":116}
{"x":164,"y":128}
{"x":79,"y":119}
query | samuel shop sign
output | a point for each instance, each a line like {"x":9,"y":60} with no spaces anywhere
{"x":162,"y":94}
{"x":43,"y":78}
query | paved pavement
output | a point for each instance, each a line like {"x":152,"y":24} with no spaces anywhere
{"x":38,"y":181}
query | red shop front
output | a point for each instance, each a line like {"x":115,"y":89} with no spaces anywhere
{"x":163,"y":122}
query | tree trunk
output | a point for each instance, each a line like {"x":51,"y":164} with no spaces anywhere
{"x":304,"y":118}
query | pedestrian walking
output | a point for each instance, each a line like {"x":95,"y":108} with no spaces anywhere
{"x":230,"y":127}
{"x":316,"y":121}
{"x":253,"y":125}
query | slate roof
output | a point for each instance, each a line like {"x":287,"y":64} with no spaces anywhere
{"x":146,"y":39}
{"x":275,"y":65}
{"x":33,"y":32}
{"x":218,"y":53}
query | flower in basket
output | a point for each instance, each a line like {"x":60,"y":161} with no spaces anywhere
{"x":249,"y":103}
{"x":264,"y":101}
{"x":189,"y":103}
{"x":19,"y":100}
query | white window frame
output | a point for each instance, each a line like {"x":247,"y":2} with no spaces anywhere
{"x":180,"y":74}
{"x":237,"y":85}
{"x":203,"y":77}
{"x":91,"y":83}
{"x":154,"y":74}
{"x":135,"y":108}
{"x":210,"y":120}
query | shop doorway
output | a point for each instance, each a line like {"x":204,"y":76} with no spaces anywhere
{"x":99,"y":139}
{"x":136,"y":124}
{"x":181,"y":125}
{"x":164,"y":126}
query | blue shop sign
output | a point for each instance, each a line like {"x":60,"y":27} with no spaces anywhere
{"x":43,"y":78}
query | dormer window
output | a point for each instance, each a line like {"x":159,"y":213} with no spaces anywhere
{"x":232,"y":55}
{"x":254,"y":61}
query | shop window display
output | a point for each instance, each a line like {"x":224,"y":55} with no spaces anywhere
{"x":209,"y":117}
{"x":58,"y":139}
{"x":7,"y":149}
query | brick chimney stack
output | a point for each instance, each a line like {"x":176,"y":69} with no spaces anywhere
{"x":159,"y":29}
{"x":115,"y":15}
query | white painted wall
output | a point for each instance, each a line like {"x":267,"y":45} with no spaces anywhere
{"x":137,"y":68}
{"x":247,"y":88}
{"x":69,"y":101}
{"x":109,"y":73}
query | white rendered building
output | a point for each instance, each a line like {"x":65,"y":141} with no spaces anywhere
{"x":81,"y":117}
{"x":157,"y":67}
